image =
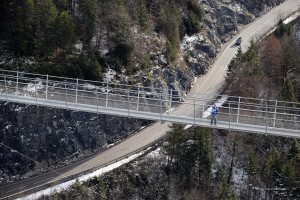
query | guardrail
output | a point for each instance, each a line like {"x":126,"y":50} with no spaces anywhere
{"x":144,"y":102}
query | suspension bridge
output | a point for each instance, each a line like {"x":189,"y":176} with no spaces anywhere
{"x":158,"y":104}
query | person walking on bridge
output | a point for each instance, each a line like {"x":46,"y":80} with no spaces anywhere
{"x":213,"y":112}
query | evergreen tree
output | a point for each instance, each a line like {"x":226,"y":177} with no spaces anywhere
{"x":175,"y":138}
{"x":64,"y":32}
{"x":251,"y":164}
{"x":224,"y":190}
{"x":88,"y":17}
{"x":203,"y":154}
{"x":45,"y":14}
{"x":143,"y":17}
{"x":288,"y":92}
{"x":274,"y":168}
{"x":101,"y":188}
{"x":294,"y":151}
{"x":21,"y":37}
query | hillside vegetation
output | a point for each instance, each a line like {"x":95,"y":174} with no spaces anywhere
{"x":47,"y":31}
{"x":269,"y":69}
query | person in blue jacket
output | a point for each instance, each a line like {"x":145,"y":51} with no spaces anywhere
{"x":213,"y":112}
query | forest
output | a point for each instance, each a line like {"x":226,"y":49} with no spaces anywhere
{"x":269,"y":69}
{"x":82,"y":38}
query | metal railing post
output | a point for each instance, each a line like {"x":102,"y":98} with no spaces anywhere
{"x":35,"y":92}
{"x":266,"y":118}
{"x":5,"y":86}
{"x":275,"y":113}
{"x":160,"y":98}
{"x":17,"y":82}
{"x":138,"y":100}
{"x":47,"y":86}
{"x":128,"y":102}
{"x":229,"y":116}
{"x":106,"y":103}
{"x":194,"y":111}
{"x":66,"y":95}
{"x":203,"y":107}
{"x":171,"y":95}
{"x":97,"y":100}
{"x":238,"y":111}
{"x":76,"y":95}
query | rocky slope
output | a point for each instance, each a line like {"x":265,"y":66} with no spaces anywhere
{"x":55,"y":137}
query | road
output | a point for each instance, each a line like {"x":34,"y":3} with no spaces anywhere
{"x":210,"y":83}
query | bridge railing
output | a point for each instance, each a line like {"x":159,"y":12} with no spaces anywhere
{"x":130,"y":98}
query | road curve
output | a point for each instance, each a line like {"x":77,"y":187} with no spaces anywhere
{"x":211,"y":83}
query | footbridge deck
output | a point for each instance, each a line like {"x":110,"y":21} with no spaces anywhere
{"x":235,"y":113}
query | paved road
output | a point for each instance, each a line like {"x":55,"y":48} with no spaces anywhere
{"x":211,"y":83}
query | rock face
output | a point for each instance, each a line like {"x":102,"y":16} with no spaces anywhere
{"x":53,"y":137}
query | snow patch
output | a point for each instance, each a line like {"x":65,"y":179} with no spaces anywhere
{"x":78,"y":46}
{"x":109,"y":75}
{"x":7,"y":127}
{"x":154,"y":154}
{"x":31,"y":87}
{"x":89,"y":86}
{"x":291,"y":18}
{"x":187,"y":126}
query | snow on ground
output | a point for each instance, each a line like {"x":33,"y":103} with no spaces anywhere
{"x":68,"y":184}
{"x":154,"y":154}
{"x":89,"y":86}
{"x":239,"y":178}
{"x":219,"y":103}
{"x":187,"y":126}
{"x":109,"y":75}
{"x":78,"y":46}
{"x":291,"y":18}
{"x":187,"y":40}
{"x":31,"y":87}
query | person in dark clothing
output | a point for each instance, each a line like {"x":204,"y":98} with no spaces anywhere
{"x":213,"y":112}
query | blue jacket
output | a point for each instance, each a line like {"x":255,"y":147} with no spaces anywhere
{"x":214,"y":111}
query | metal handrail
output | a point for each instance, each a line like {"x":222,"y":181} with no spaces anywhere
{"x":153,"y":100}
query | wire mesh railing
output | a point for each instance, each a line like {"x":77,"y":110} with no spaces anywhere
{"x":156,"y":103}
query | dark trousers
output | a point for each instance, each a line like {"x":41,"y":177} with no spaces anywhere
{"x":213,"y":120}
